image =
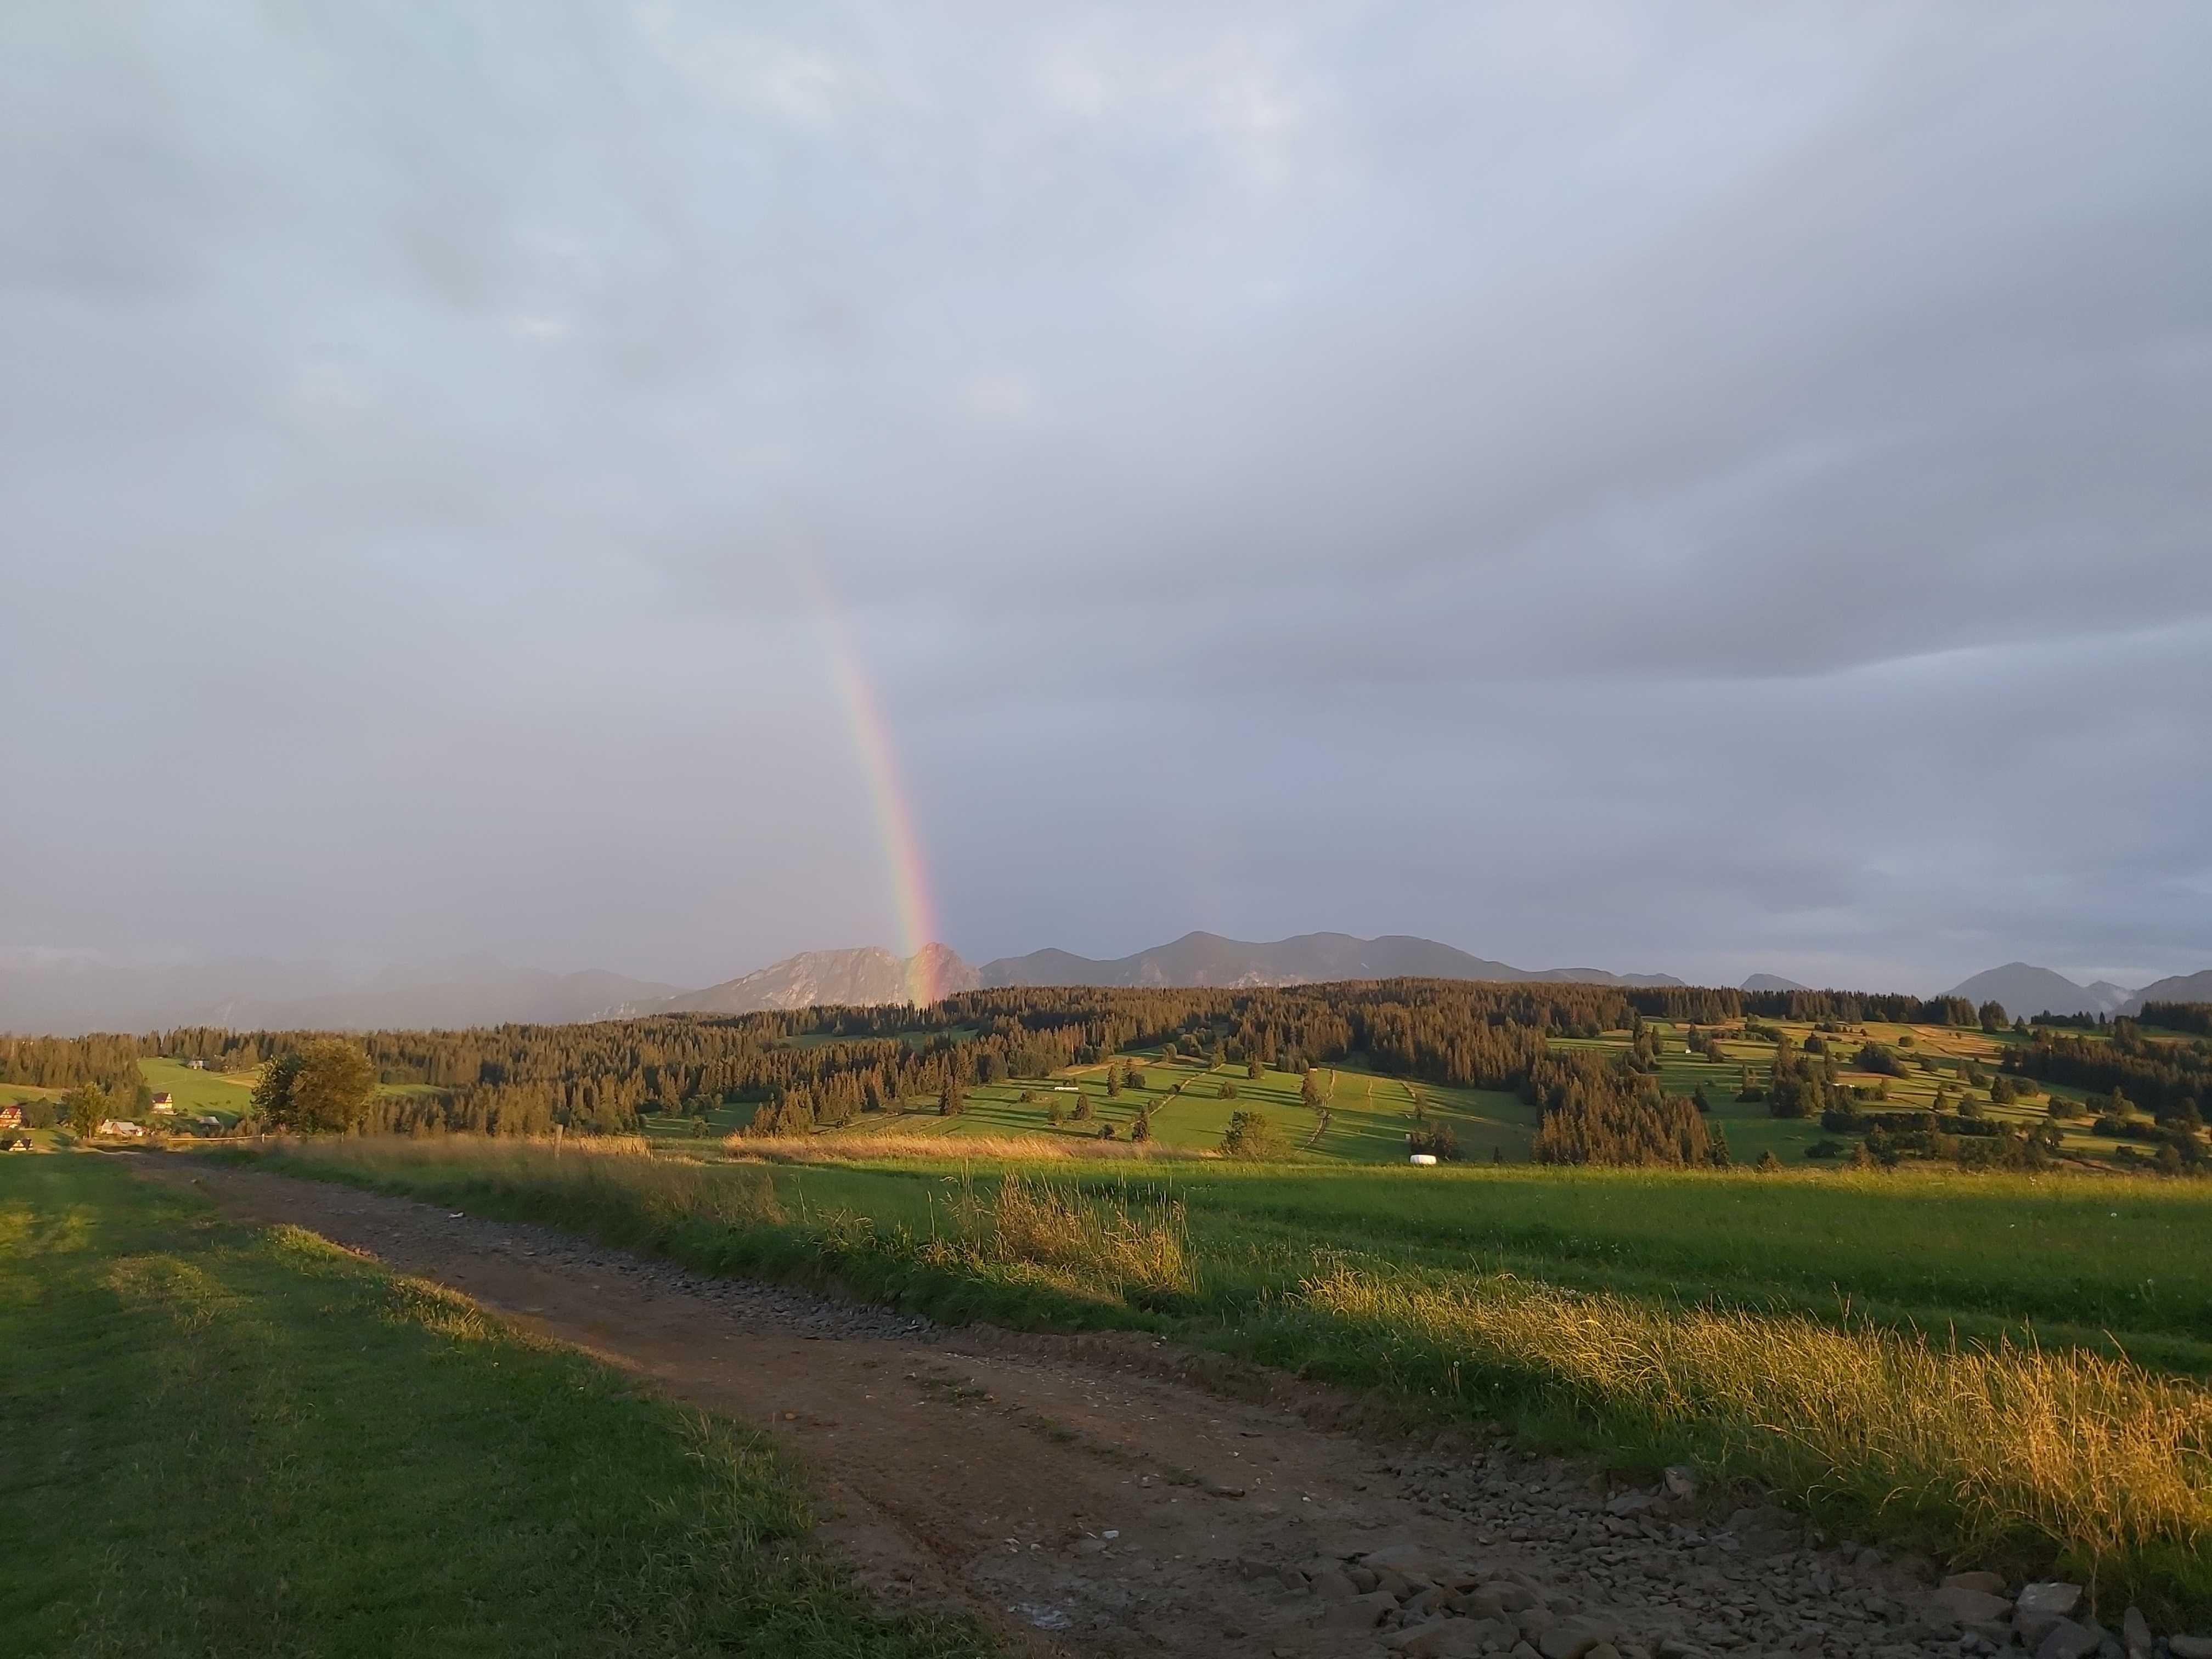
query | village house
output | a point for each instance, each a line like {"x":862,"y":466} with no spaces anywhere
{"x":120,"y":1126}
{"x":11,"y":1116}
{"x":162,"y":1102}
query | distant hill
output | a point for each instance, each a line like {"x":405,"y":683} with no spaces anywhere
{"x":2024,"y":988}
{"x":1208,"y":959}
{"x":1772,"y":983}
{"x":2183,"y":988}
{"x":858,"y":978}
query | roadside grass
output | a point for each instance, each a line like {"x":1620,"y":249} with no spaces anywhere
{"x":241,"y":1441}
{"x":1926,"y":1356}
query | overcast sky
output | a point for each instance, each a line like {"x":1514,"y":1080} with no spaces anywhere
{"x":1661,"y":488}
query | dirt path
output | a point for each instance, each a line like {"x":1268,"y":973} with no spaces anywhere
{"x":1086,"y":1500}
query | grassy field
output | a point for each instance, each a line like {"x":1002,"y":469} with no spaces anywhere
{"x":2012,"y":1365}
{"x":221,"y":1440}
{"x":1368,"y":1114}
{"x":223,"y":1094}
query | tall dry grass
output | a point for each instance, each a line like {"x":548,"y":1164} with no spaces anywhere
{"x":1087,"y":1239}
{"x":2015,"y":1443}
{"x":848,"y":1148}
{"x":600,"y":1174}
{"x":1094,"y":1245}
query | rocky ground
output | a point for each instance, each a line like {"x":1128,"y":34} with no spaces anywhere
{"x":1113,"y":1495}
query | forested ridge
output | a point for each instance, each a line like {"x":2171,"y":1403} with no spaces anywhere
{"x":806,"y":1068}
{"x":2167,"y":1079}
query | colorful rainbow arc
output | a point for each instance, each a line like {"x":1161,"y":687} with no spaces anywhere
{"x":872,"y":738}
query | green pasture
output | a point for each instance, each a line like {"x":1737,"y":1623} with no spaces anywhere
{"x":1369,"y":1114}
{"x":676,"y":1131}
{"x":230,"y":1440}
{"x":223,"y":1094}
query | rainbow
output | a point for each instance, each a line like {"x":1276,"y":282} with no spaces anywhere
{"x":872,"y":738}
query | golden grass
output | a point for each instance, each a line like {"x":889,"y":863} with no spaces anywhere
{"x":2018,"y":1441}
{"x":603,"y":1172}
{"x":941,"y":1148}
{"x":1087,"y":1238}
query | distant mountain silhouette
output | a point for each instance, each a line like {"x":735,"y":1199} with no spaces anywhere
{"x":1208,"y":959}
{"x":2024,"y":988}
{"x":2182,"y":988}
{"x":66,"y":992}
{"x":861,"y":977}
{"x":1772,"y":983}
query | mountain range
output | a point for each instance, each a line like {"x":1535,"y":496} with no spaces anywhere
{"x":63,"y":993}
{"x":871,"y":974}
{"x":2024,"y":988}
{"x":1305,"y":959}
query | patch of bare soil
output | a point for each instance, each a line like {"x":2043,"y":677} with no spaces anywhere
{"x":1087,"y":1496}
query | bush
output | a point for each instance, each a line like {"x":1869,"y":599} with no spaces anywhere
{"x":1438,"y":1142}
{"x":1875,"y":1057}
{"x":1250,"y":1135}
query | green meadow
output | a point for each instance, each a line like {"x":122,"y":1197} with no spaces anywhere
{"x":1367,"y":1114}
{"x":1370,"y":1113}
{"x":233,"y":1440}
{"x":224,"y":1095}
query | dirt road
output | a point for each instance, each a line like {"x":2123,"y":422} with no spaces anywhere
{"x":1083,"y":1498}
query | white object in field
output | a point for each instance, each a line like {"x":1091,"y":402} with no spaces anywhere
{"x":1424,"y":1159}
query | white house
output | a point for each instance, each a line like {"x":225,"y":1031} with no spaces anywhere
{"x":120,"y":1126}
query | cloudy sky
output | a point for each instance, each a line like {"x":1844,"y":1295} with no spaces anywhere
{"x":1678,"y":488}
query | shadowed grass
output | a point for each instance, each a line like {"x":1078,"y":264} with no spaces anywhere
{"x":222,"y":1440}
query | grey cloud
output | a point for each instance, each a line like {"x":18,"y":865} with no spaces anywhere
{"x":1654,"y":488}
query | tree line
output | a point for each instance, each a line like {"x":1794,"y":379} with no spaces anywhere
{"x":2170,"y":1080}
{"x":803,"y":1068}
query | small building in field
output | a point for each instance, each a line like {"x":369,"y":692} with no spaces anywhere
{"x":162,"y":1102}
{"x":11,"y":1116}
{"x":120,"y":1126}
{"x":195,"y":1065}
